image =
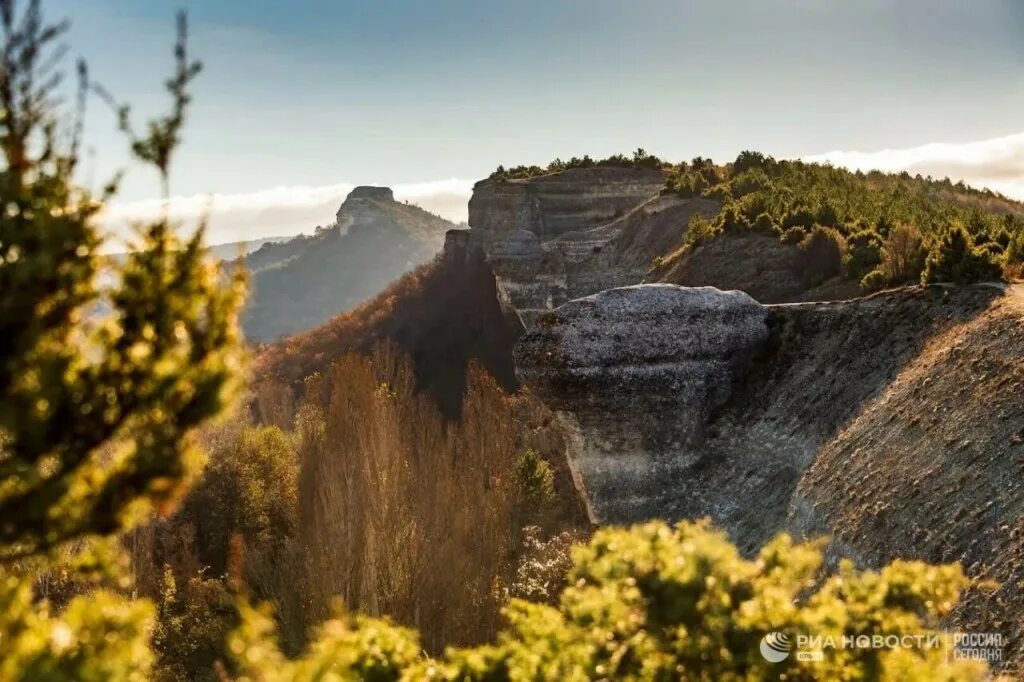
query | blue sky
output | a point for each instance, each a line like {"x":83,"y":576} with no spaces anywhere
{"x":317,"y":95}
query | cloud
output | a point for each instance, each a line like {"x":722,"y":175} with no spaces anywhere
{"x":280,"y":211}
{"x":997,"y":163}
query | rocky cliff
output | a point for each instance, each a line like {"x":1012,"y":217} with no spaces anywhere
{"x":551,"y":238}
{"x":892,"y":423}
{"x":302,"y":282}
{"x":557,"y":237}
{"x":636,"y":373}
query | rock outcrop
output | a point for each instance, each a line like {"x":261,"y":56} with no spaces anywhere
{"x":759,"y":264}
{"x":636,"y":372}
{"x":557,"y":237}
{"x":300,"y":283}
{"x":892,"y":424}
{"x":549,"y":238}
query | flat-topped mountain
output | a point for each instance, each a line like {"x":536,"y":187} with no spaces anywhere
{"x":305,"y":281}
{"x":781,"y":231}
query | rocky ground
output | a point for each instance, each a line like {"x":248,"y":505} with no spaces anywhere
{"x":894,"y":424}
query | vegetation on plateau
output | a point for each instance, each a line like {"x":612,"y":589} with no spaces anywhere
{"x":882,"y":228}
{"x":875,"y":228}
{"x":639,"y":159}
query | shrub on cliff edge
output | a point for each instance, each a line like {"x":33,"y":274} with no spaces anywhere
{"x":821,"y":255}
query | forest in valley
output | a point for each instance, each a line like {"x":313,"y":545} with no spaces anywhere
{"x":376,"y":499}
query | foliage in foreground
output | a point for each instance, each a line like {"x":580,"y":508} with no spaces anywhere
{"x":656,"y":603}
{"x":95,"y":417}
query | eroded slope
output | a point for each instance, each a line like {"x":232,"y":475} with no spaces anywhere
{"x":893,"y":424}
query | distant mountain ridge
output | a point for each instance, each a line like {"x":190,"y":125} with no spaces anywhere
{"x":302,"y":282}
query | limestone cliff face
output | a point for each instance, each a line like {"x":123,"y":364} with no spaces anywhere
{"x":892,"y":424}
{"x":549,"y":238}
{"x":635,"y":373}
{"x":740,"y":396}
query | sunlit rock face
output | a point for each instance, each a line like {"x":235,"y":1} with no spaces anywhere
{"x":546,"y":237}
{"x":635,"y":372}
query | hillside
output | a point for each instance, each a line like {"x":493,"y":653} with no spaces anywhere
{"x":892,"y":424}
{"x":444,"y":314}
{"x":302,"y":282}
{"x":680,"y":403}
{"x":230,"y":250}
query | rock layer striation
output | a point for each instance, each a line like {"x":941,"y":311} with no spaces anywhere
{"x":891,"y":424}
{"x":551,"y":238}
{"x":636,"y":372}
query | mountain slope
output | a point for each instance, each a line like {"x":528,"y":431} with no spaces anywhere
{"x":443,"y":314}
{"x":892,"y":424}
{"x":300,"y":283}
{"x":556,"y":234}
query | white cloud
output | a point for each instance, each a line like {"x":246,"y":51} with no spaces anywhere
{"x":280,"y":211}
{"x":997,"y":163}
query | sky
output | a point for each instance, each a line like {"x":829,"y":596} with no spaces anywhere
{"x":301,"y":100}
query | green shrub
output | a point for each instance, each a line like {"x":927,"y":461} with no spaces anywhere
{"x":700,"y":231}
{"x":754,"y":180}
{"x":903,"y":255}
{"x":956,"y":259}
{"x":192,"y":629}
{"x":1014,"y":256}
{"x":864,"y":253}
{"x":827,"y":215}
{"x":656,"y":602}
{"x":799,"y":218}
{"x":764,"y":224}
{"x":793,"y":235}
{"x":535,"y":479}
{"x":249,"y":489}
{"x":874,"y":280}
{"x":693,"y":185}
{"x":747,"y":160}
{"x":821,"y":255}
{"x":732,"y":220}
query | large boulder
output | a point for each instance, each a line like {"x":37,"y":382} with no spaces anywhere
{"x":635,"y":372}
